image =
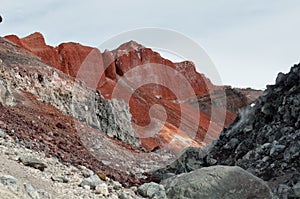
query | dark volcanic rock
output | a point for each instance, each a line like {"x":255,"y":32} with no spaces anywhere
{"x":264,"y":139}
{"x":267,"y":136}
{"x":188,"y":160}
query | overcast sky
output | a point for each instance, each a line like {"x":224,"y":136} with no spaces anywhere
{"x":248,"y":41}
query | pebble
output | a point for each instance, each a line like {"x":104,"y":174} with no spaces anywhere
{"x":31,"y":191}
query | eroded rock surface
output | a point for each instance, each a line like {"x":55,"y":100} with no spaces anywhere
{"x":71,"y":97}
{"x":47,"y":103}
{"x":174,"y":86}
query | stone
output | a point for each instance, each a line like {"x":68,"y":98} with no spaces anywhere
{"x":91,"y":181}
{"x":280,"y":78}
{"x":102,"y":189}
{"x":2,"y":133}
{"x":33,"y":162}
{"x":59,"y":179}
{"x":296,"y":190}
{"x":212,"y":182}
{"x":85,"y":171}
{"x":125,"y":196}
{"x":31,"y":191}
{"x":117,"y":185}
{"x":107,"y":163}
{"x":44,"y":194}
{"x":232,"y":143}
{"x":187,"y":160}
{"x":7,"y":194}
{"x":152,"y":190}
{"x":2,"y":125}
{"x":283,"y":191}
{"x":10,"y":182}
{"x":292,"y":150}
{"x":102,"y":176}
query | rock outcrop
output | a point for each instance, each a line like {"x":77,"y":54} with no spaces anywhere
{"x":69,"y":96}
{"x":48,"y":106}
{"x":150,"y":80}
{"x":264,"y":140}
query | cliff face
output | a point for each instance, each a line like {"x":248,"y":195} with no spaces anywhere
{"x":46,"y":110}
{"x":143,"y":79}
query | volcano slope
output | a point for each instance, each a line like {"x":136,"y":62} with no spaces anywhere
{"x":36,"y":104}
{"x":264,"y":140}
{"x":47,"y":109}
{"x":182,"y":119}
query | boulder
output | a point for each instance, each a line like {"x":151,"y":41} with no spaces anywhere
{"x":31,"y":191}
{"x":6,"y":194}
{"x":10,"y":182}
{"x":217,"y":182}
{"x":152,"y":190}
{"x":33,"y":162}
{"x":92,"y":181}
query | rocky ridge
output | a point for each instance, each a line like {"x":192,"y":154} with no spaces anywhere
{"x":264,"y":140}
{"x":40,"y":117}
{"x":38,"y":103}
{"x":69,"y":96}
{"x":111,"y":66}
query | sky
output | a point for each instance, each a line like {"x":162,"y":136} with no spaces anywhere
{"x":249,"y":42}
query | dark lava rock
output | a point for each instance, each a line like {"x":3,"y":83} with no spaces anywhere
{"x":264,"y":139}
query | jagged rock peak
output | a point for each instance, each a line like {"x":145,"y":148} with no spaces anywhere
{"x":130,"y":46}
{"x":34,"y":40}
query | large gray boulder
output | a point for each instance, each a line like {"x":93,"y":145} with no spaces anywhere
{"x":216,"y":182}
{"x":152,"y":190}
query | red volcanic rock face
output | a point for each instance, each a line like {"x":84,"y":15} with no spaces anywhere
{"x":149,"y":79}
{"x":109,"y":65}
{"x":67,"y":57}
{"x":199,"y":82}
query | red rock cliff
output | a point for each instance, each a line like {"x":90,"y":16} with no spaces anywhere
{"x":150,"y":78}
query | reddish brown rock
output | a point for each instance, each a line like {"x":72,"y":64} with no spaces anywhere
{"x":67,"y":57}
{"x":34,"y":41}
{"x":109,"y":65}
{"x":199,"y":82}
{"x":16,"y":40}
{"x":184,"y":94}
{"x":86,"y":61}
